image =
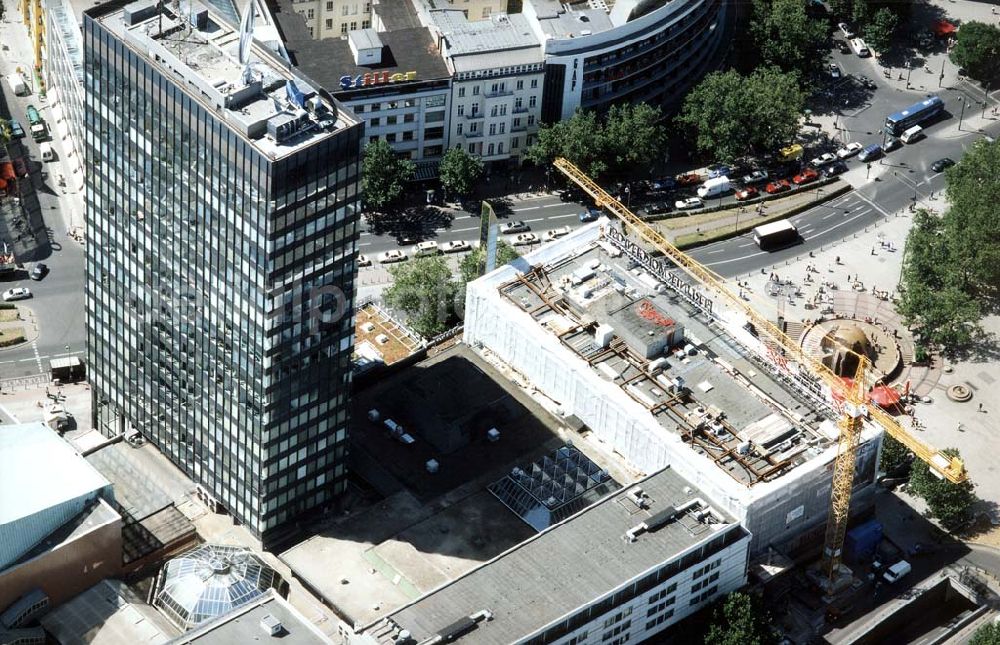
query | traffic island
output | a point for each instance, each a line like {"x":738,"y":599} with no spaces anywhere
{"x":10,"y":336}
{"x":17,"y":325}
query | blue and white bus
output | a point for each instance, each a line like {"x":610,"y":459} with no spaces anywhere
{"x":896,"y":124}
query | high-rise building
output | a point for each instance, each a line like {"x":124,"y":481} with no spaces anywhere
{"x":222,"y":197}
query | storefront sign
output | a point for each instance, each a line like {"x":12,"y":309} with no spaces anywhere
{"x":375,"y":78}
{"x":660,"y":269}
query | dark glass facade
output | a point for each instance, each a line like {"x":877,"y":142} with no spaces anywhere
{"x":207,"y":264}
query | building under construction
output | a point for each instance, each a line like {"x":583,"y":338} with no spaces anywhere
{"x":639,"y":357}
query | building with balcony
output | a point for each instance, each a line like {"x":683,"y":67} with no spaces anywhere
{"x":222,"y":232}
{"x":647,"y":51}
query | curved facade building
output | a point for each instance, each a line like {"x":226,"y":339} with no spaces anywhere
{"x":639,"y":51}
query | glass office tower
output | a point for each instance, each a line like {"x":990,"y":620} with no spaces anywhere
{"x":222,"y":225}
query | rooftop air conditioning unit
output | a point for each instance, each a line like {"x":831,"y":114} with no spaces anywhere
{"x":271,"y":625}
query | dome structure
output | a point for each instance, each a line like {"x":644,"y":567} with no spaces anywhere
{"x":838,"y":345}
{"x":209,"y":581}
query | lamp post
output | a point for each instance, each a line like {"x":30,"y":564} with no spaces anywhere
{"x":986,"y":98}
{"x":808,"y":114}
{"x":961,"y":114}
{"x":941,"y":77}
{"x":909,"y":69}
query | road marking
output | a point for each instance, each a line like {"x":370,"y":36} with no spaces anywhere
{"x":826,"y":217}
{"x":715,"y":251}
{"x":537,"y":219}
{"x":549,"y":205}
{"x":837,"y":225}
{"x":365,"y":243}
{"x":527,"y":208}
{"x":459,"y":230}
{"x":562,"y":216}
{"x":745,"y":245}
{"x":872,"y":204}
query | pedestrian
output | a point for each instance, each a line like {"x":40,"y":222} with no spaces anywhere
{"x":980,"y":407}
{"x":873,"y":250}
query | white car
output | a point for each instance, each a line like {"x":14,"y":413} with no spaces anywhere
{"x":850,"y":150}
{"x":514,"y":227}
{"x":364,"y":261}
{"x":427,"y":248}
{"x":823,"y":159}
{"x":687,"y":204}
{"x":392,"y":255}
{"x":844,"y":29}
{"x":455,"y":246}
{"x":524,"y":239}
{"x":556,"y":233}
{"x":17,"y":293}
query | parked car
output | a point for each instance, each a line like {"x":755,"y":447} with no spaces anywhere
{"x":844,"y":29}
{"x":834,"y":70}
{"x":392,"y":255}
{"x":364,"y":261}
{"x":39,"y":271}
{"x":455,"y":246}
{"x":16,"y":129}
{"x":662,"y":183}
{"x":689,"y":179}
{"x":658,"y":207}
{"x":747,"y":193}
{"x":823,"y":159}
{"x":523,"y":239}
{"x":942,"y":164}
{"x":427,"y":248}
{"x":834,"y":169}
{"x":571,"y":195}
{"x":805,"y":177}
{"x":687,"y":204}
{"x":719,"y":170}
{"x":17,"y":293}
{"x":590,"y":215}
{"x":556,"y":233}
{"x":891,"y":143}
{"x":407,"y":239}
{"x":865,"y":82}
{"x":843,"y":47}
{"x":756,"y":177}
{"x":850,"y":150}
{"x":874,"y":151}
{"x":779,"y":186}
{"x":514,"y":226}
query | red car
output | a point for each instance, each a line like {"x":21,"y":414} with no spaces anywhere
{"x":690,"y":179}
{"x":779,"y":186}
{"x":747,"y":193}
{"x":805,"y":177}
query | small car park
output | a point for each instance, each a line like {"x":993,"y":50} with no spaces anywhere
{"x":942,"y":164}
{"x":523,"y":239}
{"x":364,"y":261}
{"x":556,"y":233}
{"x":755,"y":177}
{"x":39,"y":271}
{"x":392,"y":255}
{"x":590,"y":215}
{"x":805,"y":177}
{"x":515,"y":226}
{"x":850,"y":150}
{"x":747,"y":193}
{"x":455,"y":246}
{"x":834,"y":169}
{"x":688,"y":204}
{"x":17,"y":293}
{"x":779,"y":186}
{"x":823,"y":159}
{"x":427,"y":248}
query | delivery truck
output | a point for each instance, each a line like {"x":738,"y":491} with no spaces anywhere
{"x":17,"y":84}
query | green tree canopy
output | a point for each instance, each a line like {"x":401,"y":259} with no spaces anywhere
{"x":786,"y":36}
{"x":459,"y":171}
{"x":383,"y":175}
{"x":978,"y":50}
{"x":894,"y":455}
{"x":972,"y":222}
{"x":741,"y":619}
{"x":470,"y":266}
{"x":950,"y":503}
{"x":628,"y":138}
{"x":879,"y":31}
{"x":729,"y":116}
{"x":423,"y":289}
{"x":988,"y":634}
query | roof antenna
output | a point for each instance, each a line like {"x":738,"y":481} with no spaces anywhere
{"x":246,"y":39}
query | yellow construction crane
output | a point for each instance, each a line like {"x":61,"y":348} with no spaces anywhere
{"x":855,"y":408}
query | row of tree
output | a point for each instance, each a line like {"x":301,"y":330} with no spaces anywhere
{"x":951,"y":267}
{"x":384,"y":174}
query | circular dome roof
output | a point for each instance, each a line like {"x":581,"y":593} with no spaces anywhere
{"x":210,"y":581}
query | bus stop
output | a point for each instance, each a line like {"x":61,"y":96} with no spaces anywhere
{"x":69,"y":369}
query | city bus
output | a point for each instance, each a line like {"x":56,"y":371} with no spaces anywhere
{"x":36,"y":124}
{"x":775,"y":235}
{"x":896,"y":124}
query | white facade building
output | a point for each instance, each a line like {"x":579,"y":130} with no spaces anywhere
{"x":334,"y":18}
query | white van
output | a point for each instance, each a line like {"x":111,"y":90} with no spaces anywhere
{"x":18,"y":85}
{"x":897,"y":571}
{"x":860,"y":48}
{"x":48,"y":154}
{"x":713,"y":187}
{"x":912,"y":134}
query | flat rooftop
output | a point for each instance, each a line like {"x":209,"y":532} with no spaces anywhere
{"x":501,"y":40}
{"x":570,"y":19}
{"x":698,"y":388}
{"x":277,"y":111}
{"x":246,"y":625}
{"x":109,"y":613}
{"x":545,"y":578}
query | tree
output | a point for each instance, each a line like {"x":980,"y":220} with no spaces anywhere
{"x":879,"y":31}
{"x":470,"y":265}
{"x":424,"y":290}
{"x":741,"y":619}
{"x":459,"y":171}
{"x":977,"y":49}
{"x":383,"y":175}
{"x":972,"y":222}
{"x":950,"y":503}
{"x":729,"y":116}
{"x":785,"y":34}
{"x":634,"y":136}
{"x":895,"y":456}
{"x":988,"y":634}
{"x":577,"y":139}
